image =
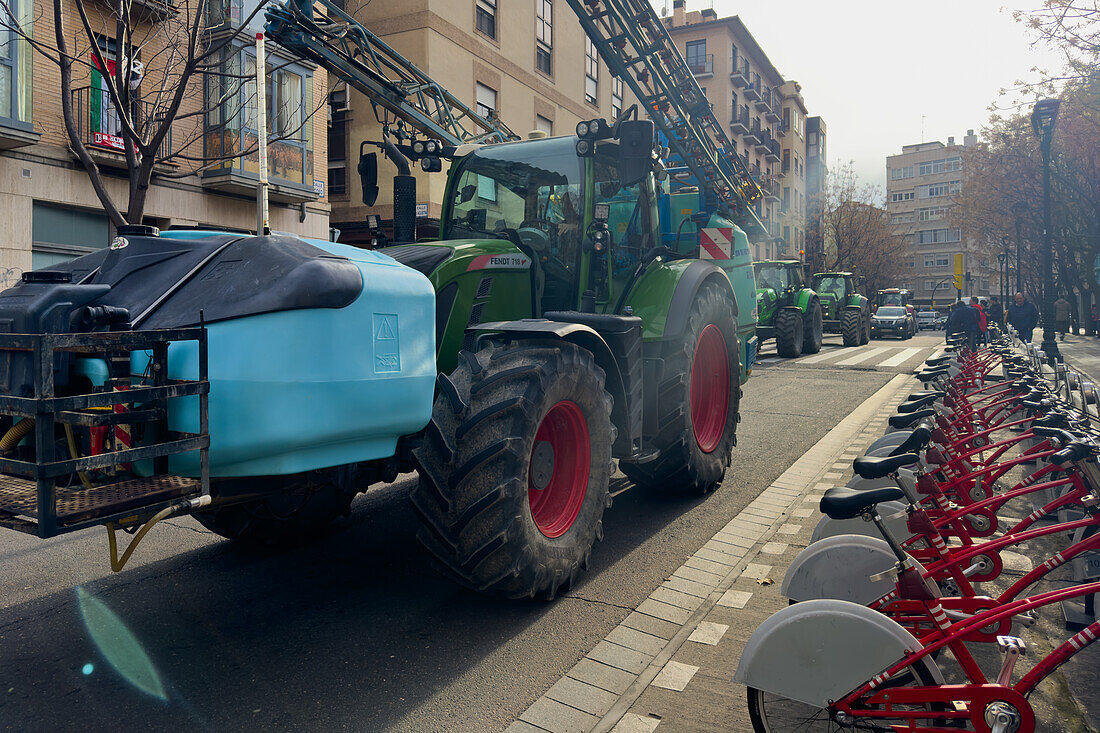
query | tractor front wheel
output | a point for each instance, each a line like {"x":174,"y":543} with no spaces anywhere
{"x":299,"y":508}
{"x":813,"y":329}
{"x":851,"y":327}
{"x":697,"y":402}
{"x":789,"y":333}
{"x":865,"y":338}
{"x":514,"y":468}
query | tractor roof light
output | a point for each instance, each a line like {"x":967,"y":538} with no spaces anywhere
{"x":418,"y":147}
{"x":582,"y":129}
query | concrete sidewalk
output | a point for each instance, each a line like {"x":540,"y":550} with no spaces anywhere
{"x":671,"y":660}
{"x":670,"y":663}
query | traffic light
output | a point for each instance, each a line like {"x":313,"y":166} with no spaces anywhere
{"x":957,"y":280}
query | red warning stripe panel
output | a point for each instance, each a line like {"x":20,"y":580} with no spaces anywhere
{"x":715,"y":243}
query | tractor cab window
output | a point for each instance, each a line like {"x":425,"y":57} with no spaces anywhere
{"x":831,"y":286}
{"x":796,"y":280}
{"x":629,"y":220}
{"x":531,"y":194}
{"x":772,"y":277}
{"x":893,"y":299}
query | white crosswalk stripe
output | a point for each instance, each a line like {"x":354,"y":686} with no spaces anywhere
{"x":903,"y":356}
{"x":825,"y":356}
{"x":864,"y":356}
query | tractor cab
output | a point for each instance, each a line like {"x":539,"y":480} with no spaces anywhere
{"x":895,"y":297}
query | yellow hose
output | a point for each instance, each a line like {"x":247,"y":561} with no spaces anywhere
{"x":16,"y":433}
{"x":117,"y":563}
{"x":72,"y":449}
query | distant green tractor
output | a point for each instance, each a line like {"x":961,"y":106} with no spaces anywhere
{"x":787,"y":310}
{"x":846,"y":311}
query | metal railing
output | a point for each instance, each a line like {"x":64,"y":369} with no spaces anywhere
{"x":98,"y":121}
{"x":740,"y":66}
{"x":703,"y":64}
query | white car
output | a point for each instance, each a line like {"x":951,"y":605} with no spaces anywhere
{"x":927,"y":320}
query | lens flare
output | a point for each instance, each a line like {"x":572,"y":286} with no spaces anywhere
{"x":119,"y":646}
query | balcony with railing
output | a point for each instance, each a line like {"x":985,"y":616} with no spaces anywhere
{"x":772,"y":153}
{"x":701,"y":65}
{"x":764,"y":104}
{"x":752,"y":137}
{"x":100,"y":129}
{"x":739,"y":125}
{"x":775,"y":107}
{"x":752,"y":90}
{"x":740,"y":74}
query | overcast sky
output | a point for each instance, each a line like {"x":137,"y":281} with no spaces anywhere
{"x":873,"y":68}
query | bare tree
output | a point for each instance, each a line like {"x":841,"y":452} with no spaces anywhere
{"x":174,"y":91}
{"x":857,"y":231}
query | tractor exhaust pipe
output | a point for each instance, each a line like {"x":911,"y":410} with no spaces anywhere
{"x":404,"y":196}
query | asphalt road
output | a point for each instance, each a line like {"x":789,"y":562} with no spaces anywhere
{"x":356,"y":632}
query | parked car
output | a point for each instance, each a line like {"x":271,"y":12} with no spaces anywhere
{"x":893,"y":320}
{"x":927,"y":319}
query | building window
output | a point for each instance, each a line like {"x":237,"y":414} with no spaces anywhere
{"x":943,"y":165}
{"x":930,"y":261}
{"x":786,"y":198}
{"x":544,"y":35}
{"x":897,"y":174}
{"x":695,"y":54}
{"x":62,"y":233}
{"x":15,"y":64}
{"x":544,"y":125}
{"x":338,"y":142}
{"x":932,"y":190}
{"x":616,"y":97}
{"x":485,"y":14}
{"x":938,"y":236}
{"x":896,"y":197}
{"x":942,"y":261}
{"x":232,"y":125}
{"x":932,"y":214}
{"x":786,"y":159}
{"x":930,"y":284}
{"x":486,"y":101}
{"x":591,"y":72}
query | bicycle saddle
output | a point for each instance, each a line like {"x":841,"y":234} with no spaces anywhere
{"x":877,"y":467}
{"x":924,"y":393}
{"x":845,"y":503}
{"x":914,"y":405}
{"x":918,"y":439}
{"x":904,"y":421}
{"x":937,"y":360}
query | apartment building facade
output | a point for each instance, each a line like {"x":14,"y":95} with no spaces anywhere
{"x":920,"y":188}
{"x":766,"y":115}
{"x":817,"y":172}
{"x":527,"y":62}
{"x":50,"y":210}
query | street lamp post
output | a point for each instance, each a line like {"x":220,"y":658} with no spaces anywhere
{"x":1002,"y":269}
{"x":1018,"y":210}
{"x":1042,"y":121}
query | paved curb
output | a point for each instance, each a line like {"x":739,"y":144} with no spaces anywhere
{"x":598,"y":692}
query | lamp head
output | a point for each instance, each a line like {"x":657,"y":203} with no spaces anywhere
{"x":1043,"y":116}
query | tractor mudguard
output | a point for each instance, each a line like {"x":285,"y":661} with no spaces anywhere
{"x":806,"y":297}
{"x":840,"y":567}
{"x":819,"y":651}
{"x":829,"y":527}
{"x":626,"y":412}
{"x":679,"y":307}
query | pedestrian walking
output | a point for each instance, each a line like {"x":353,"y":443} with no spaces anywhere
{"x":964,"y":320}
{"x":995,"y":312}
{"x":1023,"y":316}
{"x":1061,"y":316}
{"x":983,"y":323}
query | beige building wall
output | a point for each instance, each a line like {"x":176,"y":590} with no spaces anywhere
{"x":921,"y":184}
{"x":750,"y":96}
{"x":442,"y":39}
{"x":37,"y":167}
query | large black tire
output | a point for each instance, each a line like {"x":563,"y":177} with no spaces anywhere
{"x":851,"y":327}
{"x":788,"y":333}
{"x":299,"y":508}
{"x":687,"y":460}
{"x":480,"y":467}
{"x":865,"y":318}
{"x":813,"y":329}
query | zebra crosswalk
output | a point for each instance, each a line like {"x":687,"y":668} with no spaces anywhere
{"x":869,"y":356}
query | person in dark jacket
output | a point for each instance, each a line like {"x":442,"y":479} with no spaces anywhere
{"x":995,"y":311}
{"x":1023,"y":316}
{"x":964,"y":320}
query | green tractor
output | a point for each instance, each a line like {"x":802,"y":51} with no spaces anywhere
{"x":847,"y":312}
{"x":787,"y":310}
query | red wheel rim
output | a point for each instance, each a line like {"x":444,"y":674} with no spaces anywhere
{"x":557,"y":478}
{"x":710,"y":388}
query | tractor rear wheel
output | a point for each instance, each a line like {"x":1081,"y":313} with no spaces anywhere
{"x":697,"y":402}
{"x":514,"y":468}
{"x":300,"y":507}
{"x":813,"y":329}
{"x":788,"y":333}
{"x":851,"y":327}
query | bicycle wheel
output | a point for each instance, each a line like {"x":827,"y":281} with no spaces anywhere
{"x":772,"y":713}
